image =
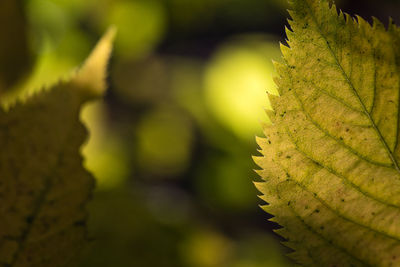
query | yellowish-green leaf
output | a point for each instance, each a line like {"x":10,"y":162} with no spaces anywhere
{"x":331,"y":157}
{"x":43,"y":186}
{"x":15,"y":55}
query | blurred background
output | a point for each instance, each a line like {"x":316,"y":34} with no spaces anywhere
{"x":172,"y":141}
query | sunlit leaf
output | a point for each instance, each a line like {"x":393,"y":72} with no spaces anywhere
{"x":43,"y":186}
{"x":331,"y":156}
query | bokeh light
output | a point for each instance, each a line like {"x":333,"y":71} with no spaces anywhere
{"x":141,"y":25}
{"x":236,"y":82}
{"x":164,"y":140}
{"x":207,"y":249}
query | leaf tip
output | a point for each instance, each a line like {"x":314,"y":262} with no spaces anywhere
{"x":92,"y":75}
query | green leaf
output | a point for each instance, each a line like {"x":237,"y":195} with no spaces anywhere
{"x":43,"y":186}
{"x":15,"y":55}
{"x":331,"y":157}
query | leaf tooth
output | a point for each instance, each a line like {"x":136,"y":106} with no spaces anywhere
{"x":350,"y":20}
{"x":284,"y":233}
{"x":270,"y":209}
{"x":280,"y":67}
{"x":331,"y":7}
{"x":278,"y":82}
{"x":265,"y":198}
{"x":271,"y":115}
{"x":290,"y":35}
{"x":259,"y":172}
{"x":292,"y":245}
{"x":265,"y":208}
{"x":392,"y":27}
{"x":292,"y":14}
{"x":299,"y":257}
{"x":390,"y":24}
{"x":282,"y":86}
{"x":362,"y":23}
{"x":274,"y":100}
{"x":260,"y":187}
{"x":13,"y":99}
{"x":377,"y":25}
{"x":259,"y":161}
{"x":342,"y":15}
{"x":261,"y":141}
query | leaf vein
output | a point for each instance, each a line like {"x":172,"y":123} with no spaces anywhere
{"x":380,"y":136}
{"x":39,"y":204}
{"x":340,"y":100}
{"x":336,"y":212}
{"x":331,"y":243}
{"x":317,"y":125}
{"x":343,"y":177}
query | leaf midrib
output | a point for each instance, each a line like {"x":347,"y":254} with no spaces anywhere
{"x":346,"y":179}
{"x":336,"y":211}
{"x":40,"y":202}
{"x":381,"y":138}
{"x":343,"y":217}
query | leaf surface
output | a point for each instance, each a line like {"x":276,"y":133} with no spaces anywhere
{"x":43,"y":186}
{"x":331,"y":157}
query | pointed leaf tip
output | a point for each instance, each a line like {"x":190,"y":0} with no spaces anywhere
{"x":91,"y":78}
{"x":44,"y":224}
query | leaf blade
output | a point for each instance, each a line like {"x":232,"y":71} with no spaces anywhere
{"x":332,"y":147}
{"x":43,"y":186}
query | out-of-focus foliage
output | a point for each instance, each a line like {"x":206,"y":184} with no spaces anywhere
{"x":127,"y":234}
{"x":164,"y":141}
{"x":141,"y":26}
{"x":238,"y":76}
{"x":59,"y":43}
{"x":15,"y":52}
{"x":105,"y":154}
{"x":43,"y":187}
{"x":208,"y":248}
{"x":212,"y":182}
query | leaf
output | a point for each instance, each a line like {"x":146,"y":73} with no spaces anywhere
{"x":43,"y":186}
{"x":15,"y":55}
{"x":331,"y":156}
